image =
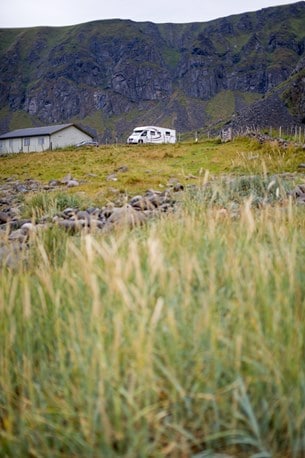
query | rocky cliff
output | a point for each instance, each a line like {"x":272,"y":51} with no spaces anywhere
{"x":111,"y":75}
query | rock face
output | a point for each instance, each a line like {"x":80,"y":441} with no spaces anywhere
{"x":283,"y":106}
{"x":136,"y":73}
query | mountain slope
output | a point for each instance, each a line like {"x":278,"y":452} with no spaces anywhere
{"x":111,"y":75}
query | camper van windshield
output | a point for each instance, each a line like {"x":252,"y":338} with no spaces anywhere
{"x":137,"y":131}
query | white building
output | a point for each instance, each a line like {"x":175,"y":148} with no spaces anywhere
{"x":42,"y":138}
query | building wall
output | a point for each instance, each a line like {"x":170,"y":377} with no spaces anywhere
{"x":68,"y":137}
{"x":25,"y":144}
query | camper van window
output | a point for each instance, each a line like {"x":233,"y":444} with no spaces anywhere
{"x":137,"y":131}
{"x":167,"y":133}
{"x":152,"y":132}
{"x":144,"y":133}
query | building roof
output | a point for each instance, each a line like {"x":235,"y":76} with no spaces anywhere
{"x":37,"y":131}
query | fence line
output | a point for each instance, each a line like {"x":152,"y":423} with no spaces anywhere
{"x":292,"y":133}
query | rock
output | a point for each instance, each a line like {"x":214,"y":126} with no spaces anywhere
{"x":298,"y":191}
{"x":19,"y":235}
{"x":21,"y":188}
{"x":66,"y":179}
{"x":93,"y":211}
{"x":135,"y":199}
{"x":135,"y":75}
{"x":178,"y":187}
{"x":54,"y":183}
{"x":72,"y":183}
{"x":158,"y":198}
{"x":70,"y":225}
{"x":302,"y":188}
{"x":112,"y":177}
{"x":4,"y":217}
{"x":172,"y":181}
{"x":14,"y":212}
{"x":69,"y":212}
{"x":121,"y":169}
{"x":83,"y":214}
{"x":113,"y":190}
{"x":301,"y":200}
{"x":142,"y":203}
{"x":125,"y":216}
{"x":28,"y":229}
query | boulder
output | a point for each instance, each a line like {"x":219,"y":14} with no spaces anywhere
{"x":4,"y":217}
{"x":125,"y":216}
{"x":72,"y":183}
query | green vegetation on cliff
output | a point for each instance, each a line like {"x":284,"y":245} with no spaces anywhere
{"x":120,"y":69}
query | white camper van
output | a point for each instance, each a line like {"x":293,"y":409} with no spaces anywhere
{"x":152,"y":134}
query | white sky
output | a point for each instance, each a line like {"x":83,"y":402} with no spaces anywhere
{"x":28,"y":13}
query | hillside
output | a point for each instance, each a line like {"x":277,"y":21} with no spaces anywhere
{"x":110,"y":75}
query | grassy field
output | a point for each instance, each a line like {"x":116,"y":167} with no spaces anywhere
{"x":183,"y":338}
{"x":151,"y":166}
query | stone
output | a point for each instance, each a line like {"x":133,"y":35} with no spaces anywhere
{"x":83,"y":214}
{"x":142,"y":203}
{"x":112,"y":177}
{"x":72,"y":183}
{"x":69,"y":211}
{"x":21,"y":188}
{"x":93,"y":211}
{"x":301,"y":200}
{"x":4,"y":217}
{"x":178,"y":187}
{"x":54,"y":183}
{"x":125,"y":216}
{"x":122,"y":169}
{"x":135,"y":199}
{"x":172,"y":181}
{"x":18,"y":235}
{"x":66,"y":179}
{"x":70,"y":225}
{"x":302,"y":188}
{"x":28,"y":229}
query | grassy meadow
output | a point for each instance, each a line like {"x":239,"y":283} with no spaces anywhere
{"x":182,"y":338}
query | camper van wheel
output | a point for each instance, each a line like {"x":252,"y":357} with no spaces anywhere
{"x":140,"y":141}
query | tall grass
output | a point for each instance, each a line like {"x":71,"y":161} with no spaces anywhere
{"x":44,"y":204}
{"x":184,"y":338}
